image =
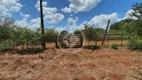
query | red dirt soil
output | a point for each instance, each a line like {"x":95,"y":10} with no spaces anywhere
{"x":53,"y":64}
{"x":52,"y":45}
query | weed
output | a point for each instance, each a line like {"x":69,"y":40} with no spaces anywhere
{"x":114,"y":46}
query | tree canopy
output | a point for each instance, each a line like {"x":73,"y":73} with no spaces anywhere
{"x":137,"y":8}
{"x":130,"y":25}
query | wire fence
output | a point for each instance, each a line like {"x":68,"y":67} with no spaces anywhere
{"x":51,"y":41}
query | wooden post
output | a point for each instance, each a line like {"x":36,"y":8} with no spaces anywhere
{"x":81,"y":40}
{"x":105,"y":33}
{"x":0,"y":44}
{"x":56,"y":42}
{"x":96,"y":41}
{"x":9,"y":44}
{"x":42,"y":26}
{"x":108,"y":41}
{"x":121,"y":39}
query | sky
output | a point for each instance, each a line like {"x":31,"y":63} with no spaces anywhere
{"x":66,"y":14}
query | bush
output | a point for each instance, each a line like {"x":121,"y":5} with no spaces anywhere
{"x":114,"y":46}
{"x":135,"y":45}
{"x":50,"y":35}
{"x":5,"y":44}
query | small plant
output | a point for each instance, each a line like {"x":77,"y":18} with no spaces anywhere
{"x":94,"y":47}
{"x":114,"y":46}
{"x":135,"y":59}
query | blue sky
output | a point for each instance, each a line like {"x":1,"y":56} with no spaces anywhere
{"x":68,"y":14}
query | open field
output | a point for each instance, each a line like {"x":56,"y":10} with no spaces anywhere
{"x":70,"y":40}
{"x":53,"y":64}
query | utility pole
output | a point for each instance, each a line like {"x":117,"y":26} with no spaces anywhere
{"x":42,"y":26}
{"x":106,"y":32}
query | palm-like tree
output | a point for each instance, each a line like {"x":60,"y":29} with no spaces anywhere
{"x":42,"y":26}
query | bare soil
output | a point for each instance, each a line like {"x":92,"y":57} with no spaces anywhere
{"x":53,"y":64}
{"x":52,"y":45}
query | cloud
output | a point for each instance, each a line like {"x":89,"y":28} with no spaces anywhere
{"x":50,"y":13}
{"x":128,"y":13}
{"x":50,"y":17}
{"x":69,"y":29}
{"x":33,"y":24}
{"x":16,"y":8}
{"x":53,"y":19}
{"x":25,"y":16}
{"x":22,"y":23}
{"x":66,"y":10}
{"x":44,"y":3}
{"x":59,"y":29}
{"x":7,"y":7}
{"x":100,"y":21}
{"x":72,"y":22}
{"x":80,"y":5}
{"x":46,"y":10}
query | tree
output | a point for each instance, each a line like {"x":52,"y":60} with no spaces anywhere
{"x":138,"y":27}
{"x":120,"y":25}
{"x":24,"y":36}
{"x":50,"y":35}
{"x":89,"y":33}
{"x":64,"y":32}
{"x":130,"y":26}
{"x":77,"y":32}
{"x":5,"y":24}
{"x":99,"y":30}
{"x":137,"y":8}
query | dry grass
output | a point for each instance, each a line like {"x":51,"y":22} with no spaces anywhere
{"x":53,"y":64}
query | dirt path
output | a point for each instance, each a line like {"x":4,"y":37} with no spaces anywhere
{"x":52,"y":64}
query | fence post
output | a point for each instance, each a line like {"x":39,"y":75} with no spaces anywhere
{"x":121,"y":39}
{"x":108,"y":41}
{"x":96,"y":41}
{"x":106,"y":32}
{"x":81,"y":40}
{"x":0,"y":44}
{"x":56,"y":42}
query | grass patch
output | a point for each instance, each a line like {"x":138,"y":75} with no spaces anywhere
{"x":114,"y":46}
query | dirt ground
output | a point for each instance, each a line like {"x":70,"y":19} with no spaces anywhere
{"x":107,"y":43}
{"x":53,"y":64}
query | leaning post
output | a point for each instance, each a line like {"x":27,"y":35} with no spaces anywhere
{"x":105,"y":32}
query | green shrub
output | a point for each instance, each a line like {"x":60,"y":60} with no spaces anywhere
{"x":135,"y":44}
{"x":114,"y":46}
{"x":5,"y":45}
